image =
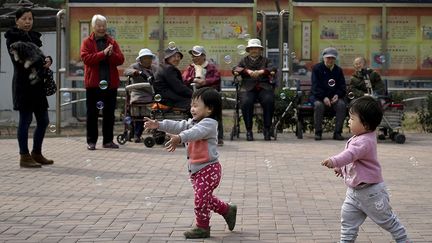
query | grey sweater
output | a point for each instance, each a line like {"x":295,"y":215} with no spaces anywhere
{"x":200,"y":139}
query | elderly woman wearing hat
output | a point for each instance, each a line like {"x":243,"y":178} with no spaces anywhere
{"x":203,"y":74}
{"x":257,"y":84}
{"x":328,"y":92}
{"x":141,"y":72}
{"x":169,"y":83}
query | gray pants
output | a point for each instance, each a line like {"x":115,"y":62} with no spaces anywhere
{"x":372,"y":202}
{"x":339,"y":108}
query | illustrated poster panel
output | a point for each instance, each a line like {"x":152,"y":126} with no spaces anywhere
{"x":358,"y":32}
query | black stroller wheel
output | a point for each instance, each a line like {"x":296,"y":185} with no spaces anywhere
{"x":149,"y":142}
{"x":393,"y":135}
{"x":381,"y":137}
{"x":159,"y":137}
{"x":400,"y":138}
{"x":121,"y":139}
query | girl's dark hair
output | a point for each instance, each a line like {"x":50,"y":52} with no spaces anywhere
{"x":369,"y":111}
{"x":21,"y":11}
{"x":50,"y":58}
{"x":212,"y":99}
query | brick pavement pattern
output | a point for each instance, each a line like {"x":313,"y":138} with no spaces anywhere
{"x":139,"y":194}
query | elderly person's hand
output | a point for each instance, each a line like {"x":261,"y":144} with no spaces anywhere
{"x":199,"y":81}
{"x":327,"y":101}
{"x":255,"y":73}
{"x":334,"y":99}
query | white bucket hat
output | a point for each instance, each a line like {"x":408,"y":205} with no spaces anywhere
{"x":145,"y":52}
{"x":253,"y":43}
{"x":197,"y":51}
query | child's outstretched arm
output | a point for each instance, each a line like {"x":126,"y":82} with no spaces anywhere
{"x":338,"y":172}
{"x":175,"y":140}
{"x":150,"y":124}
{"x":328,"y":163}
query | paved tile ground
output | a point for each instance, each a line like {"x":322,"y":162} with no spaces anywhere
{"x":139,"y":194}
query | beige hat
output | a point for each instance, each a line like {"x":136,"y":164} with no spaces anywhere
{"x":253,"y":43}
{"x":144,"y":52}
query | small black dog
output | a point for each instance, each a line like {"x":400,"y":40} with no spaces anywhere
{"x":31,"y":56}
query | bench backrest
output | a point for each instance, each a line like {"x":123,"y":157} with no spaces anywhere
{"x":304,"y":88}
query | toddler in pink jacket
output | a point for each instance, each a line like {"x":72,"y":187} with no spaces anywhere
{"x":358,"y":165}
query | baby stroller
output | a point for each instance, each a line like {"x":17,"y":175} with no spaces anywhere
{"x":391,"y":124}
{"x":137,"y":110}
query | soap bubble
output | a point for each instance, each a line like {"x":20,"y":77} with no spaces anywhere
{"x":241,"y":49}
{"x":52,"y":128}
{"x":66,"y":97}
{"x":128,"y":120}
{"x":103,"y":84}
{"x":351,"y":95}
{"x":98,"y":180}
{"x":227,"y":59}
{"x":172,"y":45}
{"x":268,"y":163}
{"x":282,"y":95}
{"x":413,"y":161}
{"x":331,"y":82}
{"x":100,"y":105}
{"x":157,"y":97}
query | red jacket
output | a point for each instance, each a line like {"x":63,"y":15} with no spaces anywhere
{"x":91,"y":58}
{"x":212,"y":77}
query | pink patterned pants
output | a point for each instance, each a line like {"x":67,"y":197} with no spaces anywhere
{"x":204,"y":182}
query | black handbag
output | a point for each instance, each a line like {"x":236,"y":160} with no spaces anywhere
{"x":49,"y":84}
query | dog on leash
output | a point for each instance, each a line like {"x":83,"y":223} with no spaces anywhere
{"x":31,"y":56}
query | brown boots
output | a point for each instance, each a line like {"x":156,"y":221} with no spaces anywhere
{"x":27,"y":161}
{"x":39,"y":158}
{"x":34,"y":160}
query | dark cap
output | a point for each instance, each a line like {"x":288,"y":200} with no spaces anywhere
{"x":169,"y":52}
{"x":330,"y":52}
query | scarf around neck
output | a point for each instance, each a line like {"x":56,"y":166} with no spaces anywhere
{"x":200,"y":71}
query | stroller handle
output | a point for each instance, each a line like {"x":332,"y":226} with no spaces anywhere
{"x":138,"y":86}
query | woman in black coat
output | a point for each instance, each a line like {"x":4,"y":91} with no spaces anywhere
{"x":169,"y":82}
{"x":28,"y":98}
